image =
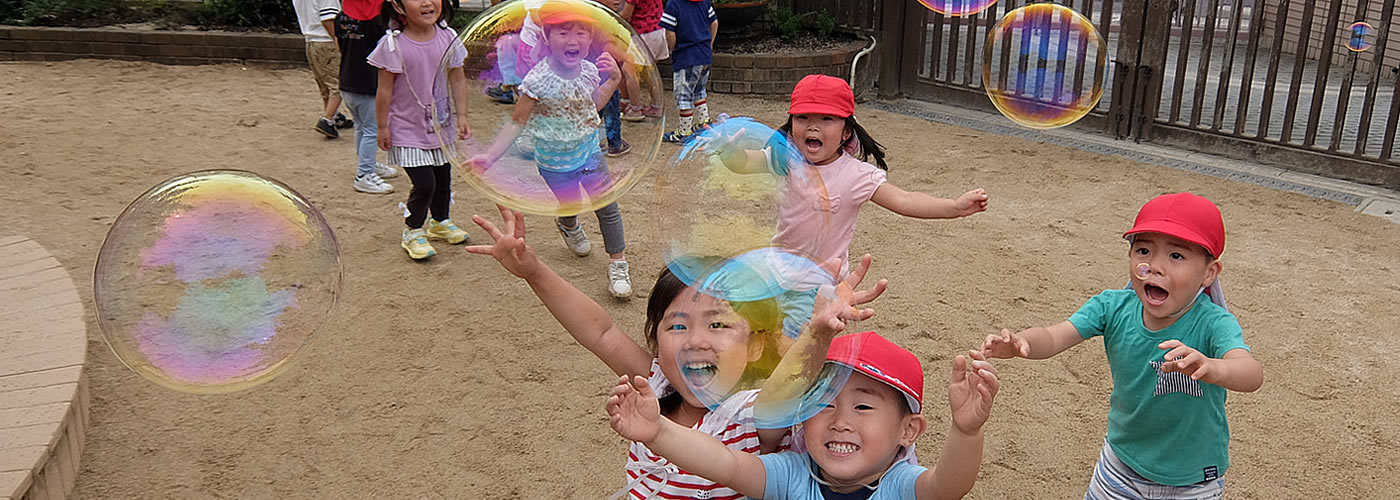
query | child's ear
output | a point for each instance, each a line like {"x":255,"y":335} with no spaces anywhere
{"x":398,"y":7}
{"x":1212,"y":271}
{"x":913,"y":426}
{"x":756,"y":345}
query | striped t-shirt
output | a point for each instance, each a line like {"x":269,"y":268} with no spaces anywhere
{"x":651,"y":476}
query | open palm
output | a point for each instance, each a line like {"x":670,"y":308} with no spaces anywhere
{"x":971,"y":391}
{"x":633,"y":410}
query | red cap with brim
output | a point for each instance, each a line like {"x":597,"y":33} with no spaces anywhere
{"x":1186,"y":216}
{"x":880,"y":359}
{"x":821,"y":94}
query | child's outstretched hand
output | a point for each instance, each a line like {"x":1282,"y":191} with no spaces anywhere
{"x":607,"y":65}
{"x":480,"y":163}
{"x":1006,"y":345}
{"x":971,"y":391}
{"x":1181,"y":358}
{"x":830,"y":313}
{"x":510,"y":248}
{"x":633,"y":410}
{"x":971,"y":202}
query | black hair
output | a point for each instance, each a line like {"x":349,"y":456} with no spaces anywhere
{"x":393,"y":18}
{"x":868,"y":145}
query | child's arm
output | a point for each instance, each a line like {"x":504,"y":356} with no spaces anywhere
{"x":585,"y":320}
{"x":382,"y":97}
{"x":973,"y":386}
{"x":636,"y":415}
{"x":457,"y":77}
{"x":671,"y":40}
{"x":606,"y":64}
{"x":329,"y":25}
{"x":1032,"y":343}
{"x":627,"y":9}
{"x":923,"y":206}
{"x":714,"y":31}
{"x":524,"y":105}
{"x":1236,"y":370}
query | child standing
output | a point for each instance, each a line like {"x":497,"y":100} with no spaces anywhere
{"x":822,"y":126}
{"x":645,"y":18}
{"x":558,"y":104}
{"x":405,"y":102}
{"x":690,"y":26}
{"x":317,"y":19}
{"x":859,"y":446}
{"x":1173,"y":356}
{"x":358,"y":29}
{"x":677,"y":316}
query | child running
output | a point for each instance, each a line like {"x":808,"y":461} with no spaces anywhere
{"x":558,"y":105}
{"x":822,"y":126}
{"x":859,"y":446}
{"x":404,"y":108}
{"x":679,"y":320}
{"x":1173,"y":356}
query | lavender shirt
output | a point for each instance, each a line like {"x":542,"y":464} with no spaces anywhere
{"x":409,"y":124}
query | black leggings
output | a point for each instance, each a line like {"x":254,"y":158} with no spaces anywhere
{"x":432,"y":190}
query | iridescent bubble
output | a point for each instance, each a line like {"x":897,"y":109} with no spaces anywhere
{"x":212,"y":281}
{"x":957,"y":7}
{"x":1044,"y":66}
{"x":1362,"y":37}
{"x":536,"y":72}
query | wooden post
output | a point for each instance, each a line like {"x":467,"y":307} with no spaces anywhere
{"x":891,"y":50}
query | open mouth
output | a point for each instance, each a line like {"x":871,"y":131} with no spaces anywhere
{"x":1155,"y":295}
{"x":572,"y":53}
{"x":812,"y":144}
{"x":699,"y":373}
{"x":841,"y":449}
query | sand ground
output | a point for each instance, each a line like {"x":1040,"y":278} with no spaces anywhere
{"x":448,"y":379}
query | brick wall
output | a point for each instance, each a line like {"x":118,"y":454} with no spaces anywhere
{"x":776,"y":74}
{"x":1291,"y":29}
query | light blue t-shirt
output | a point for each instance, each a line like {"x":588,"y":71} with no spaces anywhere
{"x":789,"y":479}
{"x":1167,"y":427}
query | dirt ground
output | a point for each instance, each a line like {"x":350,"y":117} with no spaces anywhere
{"x":449,"y":379}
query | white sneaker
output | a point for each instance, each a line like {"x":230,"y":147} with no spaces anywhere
{"x":575,"y":239}
{"x":372,"y":184}
{"x":619,"y":280}
{"x":385,"y":171}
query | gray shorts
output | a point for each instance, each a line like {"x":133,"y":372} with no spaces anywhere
{"x":1114,"y":480}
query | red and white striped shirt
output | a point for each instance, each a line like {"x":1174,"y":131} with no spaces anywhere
{"x":651,"y":476}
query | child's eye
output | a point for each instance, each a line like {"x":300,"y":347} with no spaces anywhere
{"x":718,"y":325}
{"x":1140,"y":251}
{"x":1177,"y":256}
{"x":671,"y":328}
{"x":864,"y":407}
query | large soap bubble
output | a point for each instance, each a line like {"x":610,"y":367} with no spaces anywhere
{"x":957,"y":7}
{"x":534,"y":71}
{"x":212,"y":282}
{"x":1044,"y":66}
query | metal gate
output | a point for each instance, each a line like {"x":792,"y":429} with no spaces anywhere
{"x":1268,"y":80}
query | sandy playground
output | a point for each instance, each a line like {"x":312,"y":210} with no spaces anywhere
{"x":448,"y":379}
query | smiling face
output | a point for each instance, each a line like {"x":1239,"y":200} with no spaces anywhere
{"x":856,"y":438}
{"x":703,"y":346}
{"x":1168,"y":273}
{"x":568,"y":44}
{"x":819,"y":136}
{"x":419,"y":14}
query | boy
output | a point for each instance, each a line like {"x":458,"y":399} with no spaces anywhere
{"x":690,"y":26}
{"x":645,"y":18}
{"x":1172,"y":353}
{"x":859,"y":446}
{"x":317,"y":20}
{"x":358,"y":30}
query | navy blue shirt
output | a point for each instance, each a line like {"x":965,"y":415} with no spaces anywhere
{"x":690,"y":20}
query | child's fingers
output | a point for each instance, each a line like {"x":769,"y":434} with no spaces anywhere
{"x":1169,"y":344}
{"x":857,"y":273}
{"x":487,"y":226}
{"x":959,"y":369}
{"x":640,"y":384}
{"x":479,"y":249}
{"x":868,"y":296}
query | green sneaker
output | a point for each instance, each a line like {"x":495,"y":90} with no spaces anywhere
{"x":447,"y":231}
{"x":415,"y":241}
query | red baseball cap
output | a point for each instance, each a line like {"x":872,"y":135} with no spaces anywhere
{"x":556,"y":12}
{"x":882,"y":360}
{"x":822,"y":94}
{"x":1183,"y":215}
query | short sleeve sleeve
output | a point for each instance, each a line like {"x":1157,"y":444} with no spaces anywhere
{"x":668,"y":16}
{"x":1226,"y":335}
{"x":1092,"y":318}
{"x":459,"y":51}
{"x":778,"y":153}
{"x":904,"y":479}
{"x":871,"y":177}
{"x":590,"y":76}
{"x":385,"y":59}
{"x":711,"y":15}
{"x":784,"y":475}
{"x":326,"y":10}
{"x":533,"y":83}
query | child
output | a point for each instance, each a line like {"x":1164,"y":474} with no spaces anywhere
{"x":671,"y":319}
{"x":691,"y":26}
{"x":405,"y":105}
{"x":1172,"y":354}
{"x":558,"y":103}
{"x":858,"y":446}
{"x":316,"y":18}
{"x":645,"y":18}
{"x":358,"y":29}
{"x":822,"y":126}
{"x":515,"y":55}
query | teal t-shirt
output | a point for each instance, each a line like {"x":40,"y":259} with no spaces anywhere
{"x":1167,"y":427}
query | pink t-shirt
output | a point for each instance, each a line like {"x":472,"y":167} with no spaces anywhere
{"x":646,"y":15}
{"x":803,"y":227}
{"x":409,"y":115}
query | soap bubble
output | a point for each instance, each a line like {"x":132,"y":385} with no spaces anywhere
{"x":1361,"y":38}
{"x":957,"y":7}
{"x":1044,"y":66}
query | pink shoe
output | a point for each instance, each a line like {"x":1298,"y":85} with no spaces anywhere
{"x":632,"y":113}
{"x":653,"y":111}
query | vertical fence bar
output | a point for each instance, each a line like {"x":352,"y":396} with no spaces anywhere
{"x":954,"y":34}
{"x":1324,"y":66}
{"x":1344,"y":97}
{"x":1183,"y":54}
{"x":935,"y":49}
{"x":1006,"y":47}
{"x":1222,"y":92}
{"x":1301,"y":55}
{"x":1207,"y":41}
{"x":1265,"y":112}
{"x":1062,"y":51}
{"x":1088,"y":10}
{"x":1256,"y":21}
{"x":970,"y":56}
{"x":1377,"y":66}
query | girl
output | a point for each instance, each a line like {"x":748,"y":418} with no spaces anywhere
{"x":559,"y":102}
{"x":822,"y":127}
{"x":405,"y":104}
{"x":680,"y":323}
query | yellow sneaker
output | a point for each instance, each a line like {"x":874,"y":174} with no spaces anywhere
{"x":446,"y":230}
{"x":416,"y":242}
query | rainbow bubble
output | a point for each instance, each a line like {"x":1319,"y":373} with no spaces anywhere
{"x":1361,"y":37}
{"x":957,"y":7}
{"x":541,"y":155}
{"x":1044,"y":66}
{"x":212,"y":281}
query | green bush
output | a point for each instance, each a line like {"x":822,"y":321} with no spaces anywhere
{"x":269,"y":15}
{"x":79,"y":12}
{"x":788,"y":25}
